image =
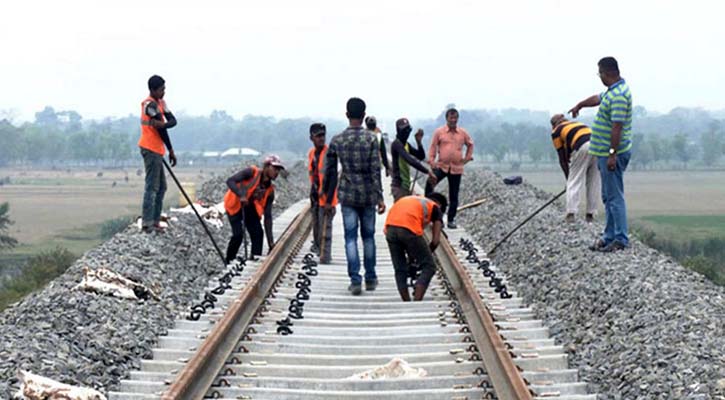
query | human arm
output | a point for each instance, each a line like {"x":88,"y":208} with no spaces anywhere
{"x":563,"y":161}
{"x":433,"y":150}
{"x":614,"y":144}
{"x":268,"y":221}
{"x":377,"y":181}
{"x":436,"y":235}
{"x":591,"y":101}
{"x":418,"y":151}
{"x":234,"y":183}
{"x":329,"y":182}
{"x":384,"y":157}
{"x":469,"y":147}
{"x":170,"y":120}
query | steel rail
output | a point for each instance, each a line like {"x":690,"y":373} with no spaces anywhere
{"x":194,"y":380}
{"x":500,"y":367}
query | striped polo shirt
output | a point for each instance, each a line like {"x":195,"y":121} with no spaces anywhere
{"x":615,"y":106}
{"x":570,"y":135}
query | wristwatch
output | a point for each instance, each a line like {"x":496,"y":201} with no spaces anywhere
{"x":612,"y":151}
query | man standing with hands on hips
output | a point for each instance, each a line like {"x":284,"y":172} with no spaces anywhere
{"x":447,"y":145}
{"x":611,"y":142}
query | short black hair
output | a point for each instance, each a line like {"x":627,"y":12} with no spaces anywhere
{"x":156,"y":82}
{"x":440,"y":199}
{"x":451,"y":111}
{"x":371,"y":123}
{"x":355,"y":108}
{"x":609,"y":64}
{"x":317,"y":128}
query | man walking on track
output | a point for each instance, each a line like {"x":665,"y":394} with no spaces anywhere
{"x":321,"y":216}
{"x":156,"y":118}
{"x":571,"y":141}
{"x":404,"y":156}
{"x":371,"y":123}
{"x":446,"y":157}
{"x":404,"y":227}
{"x":360,"y":191}
{"x":611,"y":143}
{"x":250,"y":197}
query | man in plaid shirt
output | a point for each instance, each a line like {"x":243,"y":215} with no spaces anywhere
{"x":360,"y":191}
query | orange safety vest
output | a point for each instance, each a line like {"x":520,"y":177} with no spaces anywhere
{"x":232,"y":202}
{"x":412,"y":213}
{"x":320,"y":174}
{"x":150,"y":137}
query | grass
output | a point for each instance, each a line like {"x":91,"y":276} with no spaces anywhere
{"x":687,"y":226}
{"x":58,"y":208}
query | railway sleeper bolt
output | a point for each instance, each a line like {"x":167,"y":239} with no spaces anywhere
{"x":311,"y":272}
{"x":473,"y":348}
{"x":207,"y":304}
{"x":467,"y":339}
{"x":475,"y":357}
{"x":284,"y":330}
{"x":479,"y":371}
{"x":215,"y":395}
{"x":302,"y":295}
{"x":221,"y":383}
{"x":235,"y":361}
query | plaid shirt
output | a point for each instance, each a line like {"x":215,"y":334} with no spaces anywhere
{"x":359,"y":182}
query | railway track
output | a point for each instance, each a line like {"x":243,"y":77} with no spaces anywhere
{"x":289,"y":329}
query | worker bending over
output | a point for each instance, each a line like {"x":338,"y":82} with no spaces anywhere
{"x":250,"y":196}
{"x":404,"y":227}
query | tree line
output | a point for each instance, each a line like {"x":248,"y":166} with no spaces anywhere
{"x":680,"y":138}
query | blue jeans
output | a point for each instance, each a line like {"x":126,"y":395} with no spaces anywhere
{"x":366,"y":218}
{"x":154,"y":189}
{"x":613,"y":198}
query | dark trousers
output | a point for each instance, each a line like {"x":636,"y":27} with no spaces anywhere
{"x":322,"y":231}
{"x":403,"y":244}
{"x":253,"y":225}
{"x":154,"y":188}
{"x":454,"y":185}
{"x":399,"y":192}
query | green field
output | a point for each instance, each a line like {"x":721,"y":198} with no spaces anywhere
{"x":66,"y":208}
{"x":690,"y":226}
{"x":681,"y":213}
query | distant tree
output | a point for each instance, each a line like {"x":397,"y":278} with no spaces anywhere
{"x":47,"y":117}
{"x":711,"y":147}
{"x":680,"y":147}
{"x":6,"y":241}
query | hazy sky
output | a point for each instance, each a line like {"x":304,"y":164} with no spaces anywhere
{"x":298,"y":58}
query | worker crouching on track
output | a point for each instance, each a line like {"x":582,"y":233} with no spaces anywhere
{"x":321,"y":216}
{"x":250,"y":196}
{"x":404,"y":228}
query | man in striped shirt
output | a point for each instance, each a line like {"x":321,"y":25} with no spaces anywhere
{"x":611,"y":142}
{"x":571,"y":141}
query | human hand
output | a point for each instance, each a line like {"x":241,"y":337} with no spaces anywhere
{"x":432,"y":178}
{"x":381,"y":207}
{"x":575,"y":111}
{"x":158,"y":124}
{"x":419,"y":135}
{"x":612,"y":162}
{"x":172,"y":158}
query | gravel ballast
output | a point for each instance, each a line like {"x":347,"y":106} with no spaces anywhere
{"x":92,"y":340}
{"x":637,"y":324}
